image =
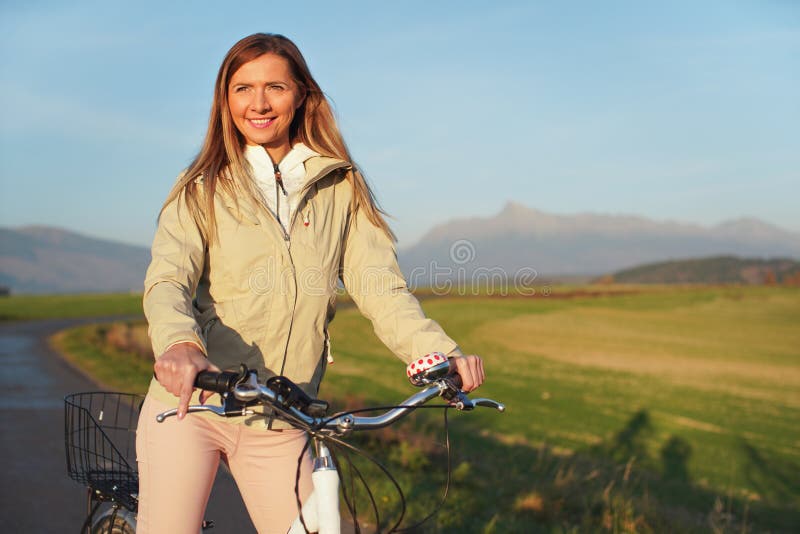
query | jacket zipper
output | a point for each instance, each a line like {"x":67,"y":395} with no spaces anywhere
{"x":279,"y":185}
{"x":325,"y":172}
{"x":305,"y":190}
{"x":286,"y":238}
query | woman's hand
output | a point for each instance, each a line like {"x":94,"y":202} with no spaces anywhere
{"x":470,"y":369}
{"x":176,"y":370}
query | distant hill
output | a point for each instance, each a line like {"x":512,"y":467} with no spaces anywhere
{"x":41,"y":259}
{"x":716,"y":270}
{"x":520,"y":238}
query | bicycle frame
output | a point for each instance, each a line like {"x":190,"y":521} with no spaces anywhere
{"x":320,"y":512}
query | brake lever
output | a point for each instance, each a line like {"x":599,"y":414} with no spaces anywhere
{"x":464,"y":403}
{"x":230,"y":407}
{"x":489,"y":403}
{"x":218,"y":410}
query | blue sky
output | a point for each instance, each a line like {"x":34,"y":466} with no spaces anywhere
{"x":684,"y":111}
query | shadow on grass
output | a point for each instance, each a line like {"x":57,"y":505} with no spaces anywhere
{"x":777,"y":478}
{"x":674,"y":458}
{"x":502,"y":486}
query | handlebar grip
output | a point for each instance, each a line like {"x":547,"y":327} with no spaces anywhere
{"x":218,"y":382}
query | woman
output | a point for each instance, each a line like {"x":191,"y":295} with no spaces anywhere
{"x":250,"y":246}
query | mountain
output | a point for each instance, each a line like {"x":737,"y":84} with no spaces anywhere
{"x":524,"y":239}
{"x":716,"y":270}
{"x":41,"y":259}
{"x":518,"y":243}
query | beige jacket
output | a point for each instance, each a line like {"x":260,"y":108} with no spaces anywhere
{"x":265,"y":297}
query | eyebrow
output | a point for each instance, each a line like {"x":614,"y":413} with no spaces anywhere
{"x":272,"y":82}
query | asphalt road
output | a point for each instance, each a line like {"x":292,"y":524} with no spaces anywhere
{"x":36,"y":494}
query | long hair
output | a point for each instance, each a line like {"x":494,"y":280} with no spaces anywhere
{"x":221,"y":161}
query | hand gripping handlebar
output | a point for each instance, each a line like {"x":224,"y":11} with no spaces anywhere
{"x":241,"y":391}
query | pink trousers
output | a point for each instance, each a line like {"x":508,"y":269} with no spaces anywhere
{"x":178,"y":461}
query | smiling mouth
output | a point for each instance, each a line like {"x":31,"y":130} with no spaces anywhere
{"x":261,"y":123}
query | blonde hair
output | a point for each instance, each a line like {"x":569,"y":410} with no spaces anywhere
{"x":222,"y":153}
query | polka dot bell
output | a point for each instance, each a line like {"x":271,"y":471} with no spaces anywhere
{"x":424,"y":363}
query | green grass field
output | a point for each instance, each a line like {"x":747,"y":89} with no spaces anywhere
{"x":648,"y":409}
{"x":695,"y":390}
{"x":23,"y":307}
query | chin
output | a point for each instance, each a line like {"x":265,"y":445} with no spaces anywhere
{"x":258,"y":140}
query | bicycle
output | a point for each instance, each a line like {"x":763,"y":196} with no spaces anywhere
{"x":241,"y":391}
{"x":100,"y":437}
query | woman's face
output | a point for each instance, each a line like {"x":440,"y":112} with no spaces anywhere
{"x":262,"y":99}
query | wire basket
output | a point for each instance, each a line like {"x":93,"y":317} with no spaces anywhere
{"x":100,"y":440}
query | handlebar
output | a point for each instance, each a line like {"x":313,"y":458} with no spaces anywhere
{"x":242,"y":390}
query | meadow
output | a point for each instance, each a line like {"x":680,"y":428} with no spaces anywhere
{"x":25,"y":307}
{"x":633,"y":410}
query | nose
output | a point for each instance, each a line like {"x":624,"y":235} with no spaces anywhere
{"x":260,"y":102}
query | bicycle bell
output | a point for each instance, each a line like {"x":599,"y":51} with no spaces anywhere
{"x":428,"y":369}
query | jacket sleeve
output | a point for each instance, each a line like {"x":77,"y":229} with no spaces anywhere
{"x":372,"y":277}
{"x":178,"y":254}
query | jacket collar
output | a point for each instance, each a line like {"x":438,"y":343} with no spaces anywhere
{"x":319,"y":167}
{"x":292,"y":167}
{"x":297,"y":155}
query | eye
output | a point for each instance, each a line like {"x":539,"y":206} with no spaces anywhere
{"x":276,"y":87}
{"x":240,"y":88}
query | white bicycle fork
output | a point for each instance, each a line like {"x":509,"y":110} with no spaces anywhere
{"x":321,"y":509}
